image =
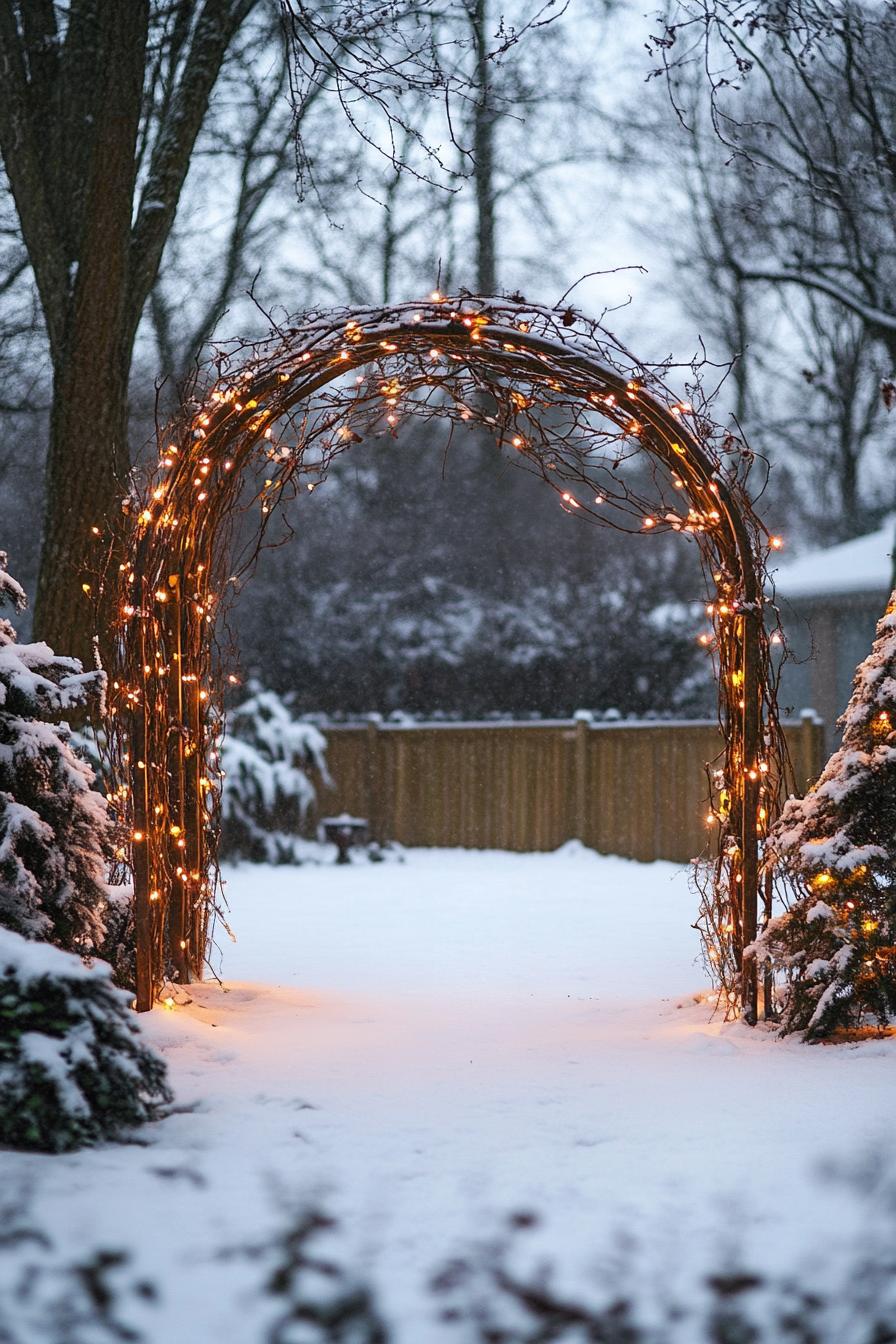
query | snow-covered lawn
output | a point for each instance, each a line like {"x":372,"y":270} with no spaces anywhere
{"x":423,"y":1047}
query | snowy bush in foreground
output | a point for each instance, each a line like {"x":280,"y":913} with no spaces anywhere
{"x":55,"y":832}
{"x":837,"y":942}
{"x":505,"y":1288}
{"x":73,"y":1067}
{"x":267,"y":792}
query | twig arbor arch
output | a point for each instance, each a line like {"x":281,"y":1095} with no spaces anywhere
{"x":556,"y":392}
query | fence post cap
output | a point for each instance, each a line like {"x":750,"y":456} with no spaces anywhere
{"x":373,"y":718}
{"x":583,"y":716}
{"x":810,"y":716}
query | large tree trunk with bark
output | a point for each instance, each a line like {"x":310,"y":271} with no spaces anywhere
{"x":88,"y":460}
{"x":75,"y":120}
{"x":86,"y":477}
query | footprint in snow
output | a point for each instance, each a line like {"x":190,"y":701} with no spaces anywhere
{"x":702,"y":1042}
{"x":179,"y":1174}
{"x":294,"y":1103}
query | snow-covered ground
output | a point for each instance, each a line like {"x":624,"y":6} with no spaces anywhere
{"x":424,"y":1047}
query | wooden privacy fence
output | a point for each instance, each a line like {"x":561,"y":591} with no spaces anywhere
{"x":635,"y":789}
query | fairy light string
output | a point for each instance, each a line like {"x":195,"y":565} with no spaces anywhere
{"x":560,"y":396}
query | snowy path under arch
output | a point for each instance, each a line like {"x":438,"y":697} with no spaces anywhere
{"x":426,"y":1046}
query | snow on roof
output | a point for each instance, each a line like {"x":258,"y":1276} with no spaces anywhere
{"x":863,"y":565}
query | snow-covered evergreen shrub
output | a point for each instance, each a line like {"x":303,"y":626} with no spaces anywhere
{"x":837,"y":942}
{"x":55,"y":831}
{"x":119,"y":945}
{"x":73,"y":1067}
{"x":266,"y":757}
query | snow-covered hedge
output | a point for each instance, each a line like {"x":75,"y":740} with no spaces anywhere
{"x":55,"y":832}
{"x":428,"y":644}
{"x":73,"y":1067}
{"x":266,"y":757}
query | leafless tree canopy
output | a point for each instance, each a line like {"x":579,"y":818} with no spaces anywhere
{"x":102,"y":115}
{"x":803,"y":94}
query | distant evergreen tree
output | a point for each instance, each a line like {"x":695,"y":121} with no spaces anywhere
{"x":55,"y":830}
{"x":267,"y":756}
{"x":837,"y":943}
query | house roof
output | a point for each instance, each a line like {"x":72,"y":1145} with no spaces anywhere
{"x":863,"y":565}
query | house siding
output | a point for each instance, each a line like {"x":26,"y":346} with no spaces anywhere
{"x":828,"y":636}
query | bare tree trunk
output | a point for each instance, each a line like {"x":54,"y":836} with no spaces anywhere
{"x":73,"y":125}
{"x":741,"y":321}
{"x":88,"y":458}
{"x":484,"y":120}
{"x":87,"y":469}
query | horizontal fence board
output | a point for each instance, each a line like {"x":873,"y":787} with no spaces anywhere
{"x":635,"y":789}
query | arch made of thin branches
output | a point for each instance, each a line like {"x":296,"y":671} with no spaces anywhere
{"x":557,"y":393}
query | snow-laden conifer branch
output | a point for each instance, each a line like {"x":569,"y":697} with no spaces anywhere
{"x":55,"y":829}
{"x":835,"y":947}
